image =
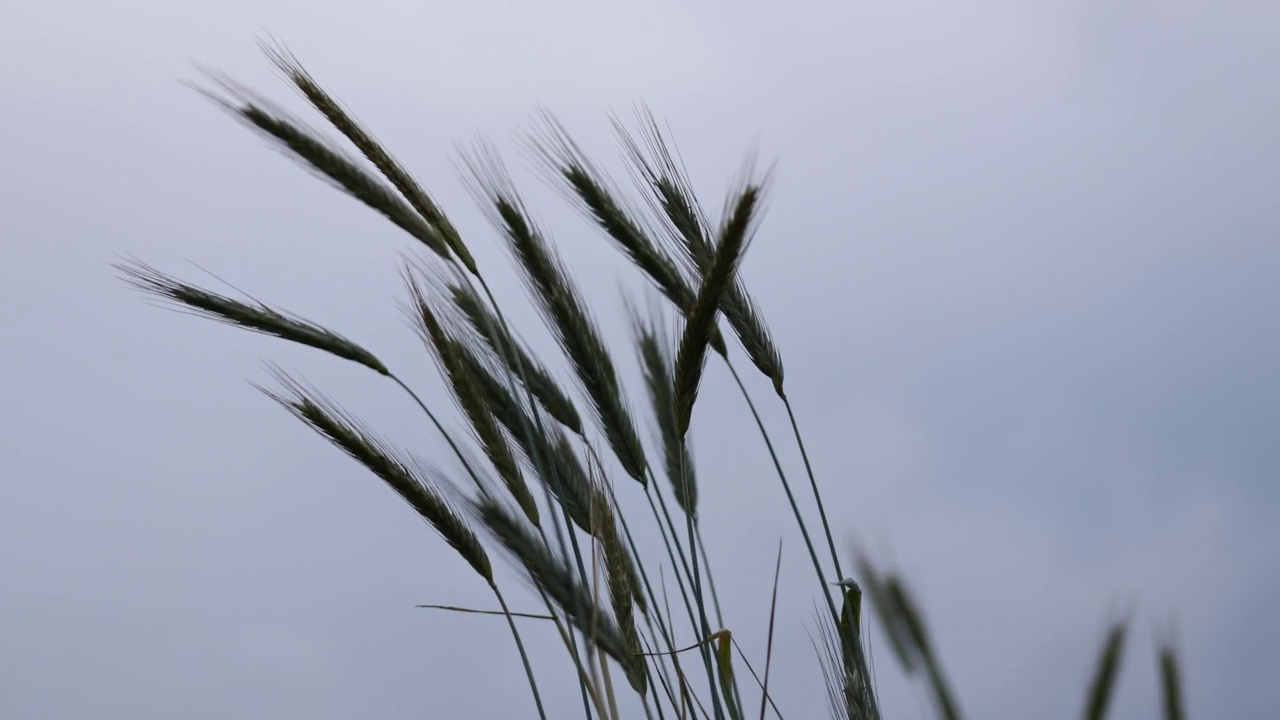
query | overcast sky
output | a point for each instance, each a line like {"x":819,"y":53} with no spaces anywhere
{"x":1020,"y":259}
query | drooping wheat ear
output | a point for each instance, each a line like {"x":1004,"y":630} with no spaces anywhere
{"x":1102,"y":687}
{"x":657,"y":361}
{"x":323,"y":159}
{"x":342,"y":120}
{"x":591,"y":193}
{"x":254,"y":315}
{"x":692,"y":353}
{"x":553,"y":577}
{"x":665,"y":182}
{"x":561,"y":305}
{"x":468,"y":396}
{"x":402,"y":473}
{"x":522,"y":365}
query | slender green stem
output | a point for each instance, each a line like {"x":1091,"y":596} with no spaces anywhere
{"x":577,"y":555}
{"x":813,"y":483}
{"x":539,"y":462}
{"x":524,"y":656}
{"x":791,"y":498}
{"x":655,"y":611}
{"x":678,"y":559}
{"x":447,"y":437}
{"x":722,"y":674}
{"x":715,"y":598}
{"x":648,"y":712}
{"x":766,"y":697}
{"x":476,"y":478}
{"x":666,"y":515}
{"x":584,"y":679}
{"x":665,"y":524}
{"x":693,"y":623}
{"x":711,"y":581}
{"x":659,"y":669}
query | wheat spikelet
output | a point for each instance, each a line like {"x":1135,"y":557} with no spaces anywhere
{"x":518,"y":360}
{"x":554,"y":577}
{"x":326,"y":161}
{"x":402,"y":474}
{"x":562,"y":307}
{"x":353,"y":130}
{"x":670,"y":193}
{"x":558,"y":467}
{"x":253,"y":316}
{"x":591,"y":193}
{"x":692,"y":352}
{"x":657,"y":363}
{"x":467,"y":394}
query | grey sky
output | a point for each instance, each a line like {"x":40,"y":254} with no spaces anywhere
{"x":1017,"y":259}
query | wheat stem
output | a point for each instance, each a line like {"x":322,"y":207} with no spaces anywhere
{"x":524,"y":656}
{"x":786,"y":486}
{"x":813,"y":483}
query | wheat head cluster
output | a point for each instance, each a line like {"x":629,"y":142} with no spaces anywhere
{"x":538,"y":473}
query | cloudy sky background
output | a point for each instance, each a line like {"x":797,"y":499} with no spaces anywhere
{"x":1020,"y":259}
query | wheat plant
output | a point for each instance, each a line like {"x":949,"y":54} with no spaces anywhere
{"x":542,"y":456}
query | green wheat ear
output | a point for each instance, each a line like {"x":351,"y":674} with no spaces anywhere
{"x":469,"y":396}
{"x":402,"y":473}
{"x":324,"y":159}
{"x":719,"y":276}
{"x":561,"y":304}
{"x":664,"y":181}
{"x":254,"y":316}
{"x":289,"y":66}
